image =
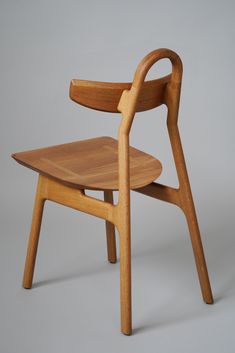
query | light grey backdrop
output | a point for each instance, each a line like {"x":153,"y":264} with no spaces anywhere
{"x":74,"y":305}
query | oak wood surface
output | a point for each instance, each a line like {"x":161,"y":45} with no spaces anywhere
{"x":106,"y":164}
{"x":34,"y":236}
{"x":90,"y":164}
{"x":105,"y":96}
{"x":110,"y":231}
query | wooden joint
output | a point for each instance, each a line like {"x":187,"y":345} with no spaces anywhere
{"x":162,"y":192}
{"x":55,"y":191}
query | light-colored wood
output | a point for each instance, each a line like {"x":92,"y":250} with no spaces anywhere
{"x":90,"y":164}
{"x":161,"y":192}
{"x":124,"y":228}
{"x":187,"y":206}
{"x":34,"y":236}
{"x":125,"y":272}
{"x":52,"y":190}
{"x":181,"y":197}
{"x":105,"y":96}
{"x":66,"y":195}
{"x":110,"y":231}
{"x":62,"y":181}
{"x":184,"y":196}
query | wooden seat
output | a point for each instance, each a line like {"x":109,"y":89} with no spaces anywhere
{"x":90,"y":164}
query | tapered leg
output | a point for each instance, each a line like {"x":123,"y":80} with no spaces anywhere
{"x":125,"y":278}
{"x":110,"y":231}
{"x":34,"y":236}
{"x":194,"y":231}
{"x":187,"y":205}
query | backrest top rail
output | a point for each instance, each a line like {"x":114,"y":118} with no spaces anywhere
{"x":105,"y":96}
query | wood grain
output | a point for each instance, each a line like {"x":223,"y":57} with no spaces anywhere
{"x":90,"y":164}
{"x":110,"y":231}
{"x":105,"y":96}
{"x":34,"y":236}
{"x":106,"y":164}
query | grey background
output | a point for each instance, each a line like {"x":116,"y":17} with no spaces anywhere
{"x":74,"y":305}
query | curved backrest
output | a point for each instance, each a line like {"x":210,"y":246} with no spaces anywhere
{"x":129,"y":98}
{"x":171,"y":95}
{"x":105,"y":96}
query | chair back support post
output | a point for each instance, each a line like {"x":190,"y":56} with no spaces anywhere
{"x":128,"y":103}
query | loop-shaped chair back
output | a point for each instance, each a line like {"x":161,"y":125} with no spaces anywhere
{"x":105,"y":96}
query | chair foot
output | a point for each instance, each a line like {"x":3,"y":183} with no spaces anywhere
{"x":125,"y":280}
{"x":34,"y":237}
{"x":199,"y":254}
{"x":110,"y":231}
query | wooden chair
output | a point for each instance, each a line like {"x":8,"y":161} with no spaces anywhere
{"x":103,"y":163}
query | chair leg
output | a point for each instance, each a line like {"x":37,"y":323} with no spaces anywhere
{"x":187,"y":205}
{"x":110,"y":231}
{"x":125,"y":278}
{"x":194,"y":231}
{"x":34,"y":236}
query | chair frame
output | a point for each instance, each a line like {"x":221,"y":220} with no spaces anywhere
{"x":119,"y":214}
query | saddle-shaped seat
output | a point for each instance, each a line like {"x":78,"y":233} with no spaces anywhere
{"x":90,"y":164}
